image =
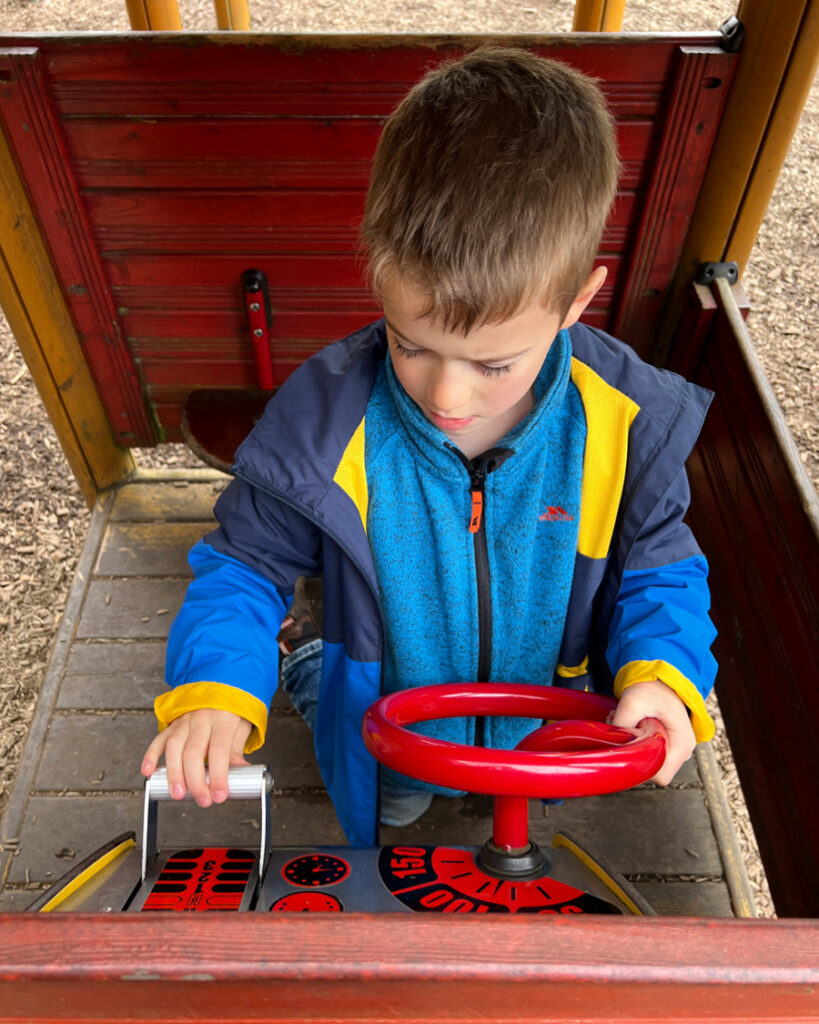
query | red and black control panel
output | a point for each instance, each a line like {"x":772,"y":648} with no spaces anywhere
{"x":422,"y":879}
{"x":448,"y":880}
{"x":203,"y":879}
{"x":405,"y":878}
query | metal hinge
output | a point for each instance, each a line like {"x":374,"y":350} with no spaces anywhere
{"x":733,"y":34}
{"x":709,"y":272}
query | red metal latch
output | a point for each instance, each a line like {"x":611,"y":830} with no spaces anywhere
{"x":260,"y":320}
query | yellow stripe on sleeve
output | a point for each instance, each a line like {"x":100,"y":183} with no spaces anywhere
{"x":351,"y":475}
{"x":214,"y":697}
{"x":609,"y":415}
{"x":645,"y":671}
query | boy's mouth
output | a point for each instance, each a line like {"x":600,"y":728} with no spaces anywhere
{"x":446,"y":424}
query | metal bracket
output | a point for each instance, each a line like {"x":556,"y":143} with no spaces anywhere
{"x":733,"y":34}
{"x":259,"y":320}
{"x":709,"y":272}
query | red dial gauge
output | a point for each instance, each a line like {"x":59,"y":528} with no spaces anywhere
{"x":315,"y":869}
{"x":448,"y":880}
{"x":306,"y":901}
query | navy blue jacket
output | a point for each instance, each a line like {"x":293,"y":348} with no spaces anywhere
{"x":638,"y":608}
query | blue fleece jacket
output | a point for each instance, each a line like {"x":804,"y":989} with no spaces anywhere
{"x":425,"y":557}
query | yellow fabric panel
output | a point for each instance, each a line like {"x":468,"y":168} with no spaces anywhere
{"x":351,"y":475}
{"x":214,"y":697}
{"x":574,"y":671}
{"x":645,"y":671}
{"x":609,"y":415}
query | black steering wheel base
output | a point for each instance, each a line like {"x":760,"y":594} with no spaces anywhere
{"x":530,"y":862}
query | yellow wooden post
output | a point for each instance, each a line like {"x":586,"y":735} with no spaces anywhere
{"x":232,"y":14}
{"x":776,"y":69}
{"x":40,"y":321}
{"x":154,"y":15}
{"x":790,"y":101}
{"x":598,"y":15}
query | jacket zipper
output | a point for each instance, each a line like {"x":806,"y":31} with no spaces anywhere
{"x":478,"y":469}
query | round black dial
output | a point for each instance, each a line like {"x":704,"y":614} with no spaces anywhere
{"x":315,"y":869}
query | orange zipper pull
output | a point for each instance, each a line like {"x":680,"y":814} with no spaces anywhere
{"x":477,"y":511}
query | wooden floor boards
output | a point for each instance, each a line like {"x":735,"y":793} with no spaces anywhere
{"x":79,"y":782}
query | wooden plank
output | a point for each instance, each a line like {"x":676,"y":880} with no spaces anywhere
{"x":42,"y":327}
{"x":643,"y":831}
{"x":776,"y":69}
{"x":335,"y":967}
{"x":148,"y":549}
{"x":99,"y":753}
{"x":180,"y":500}
{"x":687,"y":899}
{"x":32,"y":128}
{"x":112,"y":676}
{"x":139,"y":609}
{"x":747,"y":497}
{"x":689,"y":127}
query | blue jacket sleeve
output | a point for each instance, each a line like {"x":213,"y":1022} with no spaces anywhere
{"x":222,"y":650}
{"x":661,"y":628}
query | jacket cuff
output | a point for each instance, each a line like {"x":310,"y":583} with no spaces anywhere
{"x":645,"y":671}
{"x":214,"y":697}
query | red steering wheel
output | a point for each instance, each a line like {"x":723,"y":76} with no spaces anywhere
{"x":583,"y":756}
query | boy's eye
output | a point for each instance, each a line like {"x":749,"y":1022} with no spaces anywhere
{"x":408,"y":353}
{"x":494,"y":371}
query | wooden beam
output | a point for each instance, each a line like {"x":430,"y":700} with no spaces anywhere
{"x":790,"y":100}
{"x":776,"y":69}
{"x":428,"y":967}
{"x":154,"y":15}
{"x":598,"y":15}
{"x":39,"y":319}
{"x":232,"y":15}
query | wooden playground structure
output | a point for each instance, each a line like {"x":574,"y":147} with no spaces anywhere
{"x":141,"y":177}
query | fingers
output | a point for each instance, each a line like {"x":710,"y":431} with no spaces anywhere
{"x":656,"y":700}
{"x":215,"y":737}
{"x":226,"y":748}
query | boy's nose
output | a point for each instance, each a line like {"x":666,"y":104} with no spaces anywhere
{"x":447,"y":390}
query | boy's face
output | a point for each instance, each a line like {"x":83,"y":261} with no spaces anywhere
{"x":473,"y":387}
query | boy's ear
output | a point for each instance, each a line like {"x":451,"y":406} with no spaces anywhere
{"x":591,"y":286}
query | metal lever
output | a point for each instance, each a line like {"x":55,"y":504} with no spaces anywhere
{"x":246,"y":782}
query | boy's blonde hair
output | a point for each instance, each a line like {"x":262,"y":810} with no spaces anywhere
{"x":490,"y":187}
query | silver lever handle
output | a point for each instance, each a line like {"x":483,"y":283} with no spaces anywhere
{"x":245,"y":782}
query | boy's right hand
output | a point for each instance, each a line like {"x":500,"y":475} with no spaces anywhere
{"x":215,"y":737}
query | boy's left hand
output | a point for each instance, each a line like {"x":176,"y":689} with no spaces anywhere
{"x":656,"y":700}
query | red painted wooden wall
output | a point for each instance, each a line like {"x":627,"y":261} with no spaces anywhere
{"x":161,"y":168}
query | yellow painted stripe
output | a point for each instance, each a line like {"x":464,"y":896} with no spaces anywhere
{"x":560,"y":839}
{"x":645,"y":671}
{"x":85,"y":876}
{"x":609,"y":415}
{"x":351,"y":474}
{"x":575,"y":670}
{"x":214,"y":697}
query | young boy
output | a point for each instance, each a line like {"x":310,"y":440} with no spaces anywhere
{"x":490,"y":489}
